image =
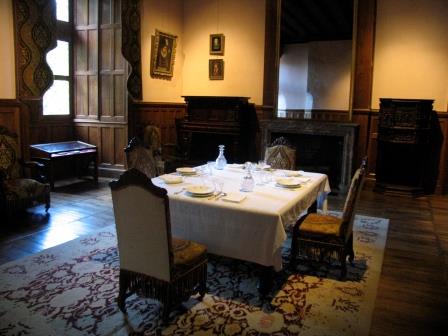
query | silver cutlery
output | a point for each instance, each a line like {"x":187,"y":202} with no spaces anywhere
{"x":179,"y":191}
{"x":220,"y":195}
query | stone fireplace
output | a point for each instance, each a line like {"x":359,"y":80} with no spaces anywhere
{"x":322,"y":146}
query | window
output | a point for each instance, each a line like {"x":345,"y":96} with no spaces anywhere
{"x":57,"y":99}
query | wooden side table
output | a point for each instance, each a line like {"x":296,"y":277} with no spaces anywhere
{"x":50,"y":153}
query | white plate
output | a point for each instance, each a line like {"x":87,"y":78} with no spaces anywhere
{"x":235,"y":165}
{"x":234,"y":197}
{"x":199,"y":190}
{"x":262,"y":166}
{"x":186,"y":170}
{"x":171,"y":179}
{"x":289,"y":182}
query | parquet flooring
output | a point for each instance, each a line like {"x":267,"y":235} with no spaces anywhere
{"x":412,"y":294}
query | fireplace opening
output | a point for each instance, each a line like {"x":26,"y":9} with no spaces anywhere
{"x":318,"y":153}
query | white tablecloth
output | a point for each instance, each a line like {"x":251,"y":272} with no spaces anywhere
{"x":252,"y":230}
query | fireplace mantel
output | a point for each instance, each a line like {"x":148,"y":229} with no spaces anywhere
{"x":345,"y":131}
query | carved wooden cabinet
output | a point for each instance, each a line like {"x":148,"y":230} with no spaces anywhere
{"x":403,"y":144}
{"x":214,"y":120}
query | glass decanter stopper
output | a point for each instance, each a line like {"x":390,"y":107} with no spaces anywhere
{"x":221,"y":161}
{"x":247,"y":184}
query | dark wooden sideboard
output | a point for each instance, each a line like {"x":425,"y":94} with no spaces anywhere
{"x":213,"y":120}
{"x":404,"y":134}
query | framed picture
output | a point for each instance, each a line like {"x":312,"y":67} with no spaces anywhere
{"x":217,"y":44}
{"x":163,"y":54}
{"x":216,"y":69}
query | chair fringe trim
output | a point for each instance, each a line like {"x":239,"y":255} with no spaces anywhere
{"x":318,"y":252}
{"x":174,"y":292}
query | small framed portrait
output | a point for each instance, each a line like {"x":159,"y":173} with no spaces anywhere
{"x":217,"y":44}
{"x":216,"y":69}
{"x":163,"y":53}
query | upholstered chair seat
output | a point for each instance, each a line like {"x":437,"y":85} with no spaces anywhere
{"x":24,"y":189}
{"x":187,"y":254}
{"x":280,"y":154}
{"x":325,"y":236}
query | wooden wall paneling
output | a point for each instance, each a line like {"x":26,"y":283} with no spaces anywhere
{"x":362,"y":119}
{"x":94,"y":136}
{"x":61,"y":132}
{"x":271,"y":54}
{"x":442,"y":181}
{"x":363,"y":68}
{"x":372,"y":143}
{"x":107,"y":146}
{"x":82,"y":133}
{"x":120,"y":142}
{"x":10,"y":116}
{"x":162,"y":115}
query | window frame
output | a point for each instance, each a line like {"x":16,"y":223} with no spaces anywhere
{"x":64,"y":32}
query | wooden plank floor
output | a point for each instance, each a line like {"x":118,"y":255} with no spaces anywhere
{"x":412,"y":294}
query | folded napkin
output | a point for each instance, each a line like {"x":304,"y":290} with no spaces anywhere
{"x":234,"y":197}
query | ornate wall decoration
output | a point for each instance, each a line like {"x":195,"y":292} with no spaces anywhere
{"x":131,"y":48}
{"x":34,"y":27}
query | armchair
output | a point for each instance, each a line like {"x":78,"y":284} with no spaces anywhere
{"x":16,"y":191}
{"x":152,"y":262}
{"x":318,"y":235}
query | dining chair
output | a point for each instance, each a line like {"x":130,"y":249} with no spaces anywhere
{"x":280,"y":154}
{"x":316,"y":236}
{"x":153,"y":263}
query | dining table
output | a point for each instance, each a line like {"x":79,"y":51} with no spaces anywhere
{"x":207,"y":205}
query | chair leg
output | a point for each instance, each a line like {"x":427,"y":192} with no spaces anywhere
{"x":351,"y":252}
{"x":123,"y":284}
{"x":342,"y":259}
{"x":294,"y":247}
{"x":166,"y":305}
{"x":47,"y":202}
{"x":203,"y":284}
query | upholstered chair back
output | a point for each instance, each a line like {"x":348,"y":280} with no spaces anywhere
{"x":141,"y":158}
{"x":352,"y":198}
{"x":9,"y":155}
{"x":152,"y":139}
{"x":143,"y":226}
{"x":280,"y":155}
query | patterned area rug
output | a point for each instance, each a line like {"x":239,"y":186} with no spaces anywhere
{"x":71,"y":289}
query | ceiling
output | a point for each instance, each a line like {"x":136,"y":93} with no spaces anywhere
{"x":316,"y":20}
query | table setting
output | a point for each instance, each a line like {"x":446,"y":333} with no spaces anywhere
{"x":240,"y":210}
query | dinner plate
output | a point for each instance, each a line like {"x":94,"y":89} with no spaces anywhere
{"x":262,"y":166}
{"x":199,"y":190}
{"x":186,"y":170}
{"x":171,"y":179}
{"x":289,"y":182}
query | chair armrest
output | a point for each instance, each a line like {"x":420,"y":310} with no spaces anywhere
{"x":37,"y":169}
{"x":33,"y":164}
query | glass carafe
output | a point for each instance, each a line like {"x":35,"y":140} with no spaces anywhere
{"x":221,"y":161}
{"x":247,"y":184}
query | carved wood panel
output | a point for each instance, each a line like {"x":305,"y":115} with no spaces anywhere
{"x":111,"y":139}
{"x":10,"y":115}
{"x":160,"y":115}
